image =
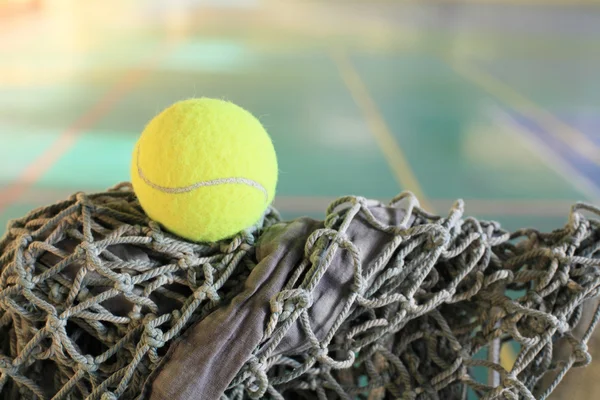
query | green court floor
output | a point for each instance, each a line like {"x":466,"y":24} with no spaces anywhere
{"x":494,"y":103}
{"x":488,"y":103}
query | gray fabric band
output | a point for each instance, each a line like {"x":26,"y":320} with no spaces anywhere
{"x":204,"y":360}
{"x":202,"y":363}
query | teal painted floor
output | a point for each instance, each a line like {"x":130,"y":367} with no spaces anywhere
{"x":359,"y":99}
{"x":495,"y":103}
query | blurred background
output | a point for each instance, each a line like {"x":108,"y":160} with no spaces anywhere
{"x":494,"y":102}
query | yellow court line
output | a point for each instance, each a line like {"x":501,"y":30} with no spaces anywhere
{"x":570,"y":136}
{"x":389,"y":146}
{"x":508,"y":356}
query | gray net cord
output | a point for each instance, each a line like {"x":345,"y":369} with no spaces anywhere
{"x":412,"y":327}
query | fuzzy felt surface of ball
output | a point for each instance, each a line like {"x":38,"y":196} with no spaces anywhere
{"x":205,"y":169}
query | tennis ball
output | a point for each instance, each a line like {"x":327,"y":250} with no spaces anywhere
{"x":205,"y":169}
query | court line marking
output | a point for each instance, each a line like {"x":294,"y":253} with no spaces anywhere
{"x":553,"y":160}
{"x":40,"y":165}
{"x":379,"y":129}
{"x":570,"y":136}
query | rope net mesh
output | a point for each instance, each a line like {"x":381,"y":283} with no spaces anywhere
{"x":443,"y":291}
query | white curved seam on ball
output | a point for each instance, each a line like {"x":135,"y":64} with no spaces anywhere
{"x":212,"y":182}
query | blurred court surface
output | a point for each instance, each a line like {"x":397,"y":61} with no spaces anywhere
{"x":495,"y":102}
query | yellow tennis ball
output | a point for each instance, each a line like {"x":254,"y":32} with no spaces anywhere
{"x":205,"y":169}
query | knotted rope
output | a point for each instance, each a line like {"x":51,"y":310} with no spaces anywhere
{"x":92,"y":294}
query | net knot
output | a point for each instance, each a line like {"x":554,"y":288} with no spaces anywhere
{"x":24,"y":240}
{"x":299,"y":298}
{"x":581,"y":353}
{"x":561,"y":325}
{"x":185,"y":262}
{"x":7,"y":366}
{"x":509,"y":381}
{"x":124,"y":284}
{"x":135,"y":315}
{"x":232,"y":246}
{"x":108,"y":396}
{"x":320,"y":353}
{"x":89,"y":248}
{"x":439,"y":238}
{"x":246,"y":246}
{"x":55,"y":292}
{"x":257,"y":386}
{"x":88,"y":364}
{"x":55,"y":324}
{"x":205,"y":291}
{"x":29,"y":257}
{"x":154,"y":336}
{"x":26,"y":281}
{"x":176,"y":314}
{"x":276,"y":306}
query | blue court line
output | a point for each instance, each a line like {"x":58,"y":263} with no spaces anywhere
{"x":584,"y":166}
